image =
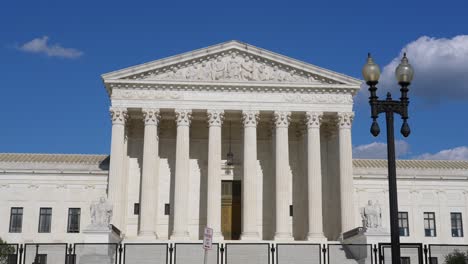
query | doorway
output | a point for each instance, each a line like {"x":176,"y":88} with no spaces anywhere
{"x":231,"y":209}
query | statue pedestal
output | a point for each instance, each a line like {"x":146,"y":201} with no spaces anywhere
{"x":99,"y":252}
{"x":362,"y":235}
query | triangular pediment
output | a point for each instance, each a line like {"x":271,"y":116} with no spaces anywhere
{"x":231,"y":62}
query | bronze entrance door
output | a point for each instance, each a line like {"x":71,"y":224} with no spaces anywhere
{"x":231,"y":209}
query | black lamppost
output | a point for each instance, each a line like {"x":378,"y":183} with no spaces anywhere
{"x":404,"y":75}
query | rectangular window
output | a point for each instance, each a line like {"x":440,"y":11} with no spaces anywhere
{"x":45,"y":219}
{"x":16,"y":219}
{"x":403,"y":223}
{"x":433,"y":260}
{"x":41,"y":259}
{"x":429,"y":224}
{"x":457,"y":225}
{"x":136,"y":209}
{"x":167,"y":209}
{"x":74,"y":220}
{"x":405,"y":260}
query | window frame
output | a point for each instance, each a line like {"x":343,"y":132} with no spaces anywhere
{"x":457,"y":230}
{"x":14,"y":220}
{"x":70,"y":214}
{"x":401,"y":221}
{"x":44,"y":216}
{"x":430,"y":220}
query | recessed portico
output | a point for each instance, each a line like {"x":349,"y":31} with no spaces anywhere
{"x":281,"y":113}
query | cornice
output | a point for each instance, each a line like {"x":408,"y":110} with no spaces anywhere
{"x":253,"y":87}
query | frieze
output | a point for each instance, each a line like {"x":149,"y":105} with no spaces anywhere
{"x":233,"y":66}
{"x":300,"y":98}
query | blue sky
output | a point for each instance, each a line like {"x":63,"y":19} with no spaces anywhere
{"x":53,"y":99}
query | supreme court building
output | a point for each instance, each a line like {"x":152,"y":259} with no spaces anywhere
{"x":251,"y":143}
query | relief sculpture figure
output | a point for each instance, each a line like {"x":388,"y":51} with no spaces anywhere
{"x":247,"y":69}
{"x":219,"y":68}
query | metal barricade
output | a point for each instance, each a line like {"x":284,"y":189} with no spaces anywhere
{"x":137,"y":253}
{"x":95,"y":253}
{"x":42,"y":253}
{"x":247,"y":253}
{"x":189,"y":253}
{"x":8,"y":253}
{"x":349,"y":254}
{"x":439,"y":253}
{"x":409,"y":252}
{"x":298,"y":253}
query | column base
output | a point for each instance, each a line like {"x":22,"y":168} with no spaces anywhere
{"x":316,"y":237}
{"x":283,"y":237}
{"x":182,"y":236}
{"x":249,"y":236}
{"x":218,"y":237}
{"x":147,"y":235}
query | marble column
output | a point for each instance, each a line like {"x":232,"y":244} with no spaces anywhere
{"x":282,"y":175}
{"x":314,"y":177}
{"x":249,"y":180}
{"x":116,"y":166}
{"x":346,"y":171}
{"x":182,"y":171}
{"x":149,"y":178}
{"x":215,"y":120}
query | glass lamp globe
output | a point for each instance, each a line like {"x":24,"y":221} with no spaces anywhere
{"x":404,"y":72}
{"x":371,"y":71}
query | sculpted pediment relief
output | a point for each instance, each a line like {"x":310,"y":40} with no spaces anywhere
{"x":232,"y":66}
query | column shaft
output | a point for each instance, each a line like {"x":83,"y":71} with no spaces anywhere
{"x":215,"y":119}
{"x":116,"y":168}
{"x":249,"y":180}
{"x":346,"y":172}
{"x":314,"y":176}
{"x":282,"y":176}
{"x":182,"y":171}
{"x":148,"y":202}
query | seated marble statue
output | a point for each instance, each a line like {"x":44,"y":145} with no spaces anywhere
{"x":371,"y":215}
{"x":101,"y":214}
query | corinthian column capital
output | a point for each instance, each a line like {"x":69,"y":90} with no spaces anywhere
{"x":183,"y":117}
{"x":282,"y":118}
{"x":151,"y":116}
{"x":118,"y":115}
{"x":345,"y":119}
{"x":313,"y":119}
{"x":215,"y":117}
{"x":250,"y":118}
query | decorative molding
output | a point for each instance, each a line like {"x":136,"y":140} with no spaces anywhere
{"x":345,"y":120}
{"x":61,"y":186}
{"x":90,"y":186}
{"x":313,"y":119}
{"x":318,"y":98}
{"x":5,"y":185}
{"x":151,"y":116}
{"x":250,"y":118}
{"x":119,"y":115}
{"x":183,"y":117}
{"x":281,"y":118}
{"x":33,"y":186}
{"x":215,"y":117}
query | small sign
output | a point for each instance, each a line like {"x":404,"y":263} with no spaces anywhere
{"x":208,"y":238}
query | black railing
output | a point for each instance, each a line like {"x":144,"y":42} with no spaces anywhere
{"x":226,"y":253}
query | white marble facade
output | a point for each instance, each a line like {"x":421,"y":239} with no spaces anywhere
{"x":290,"y":125}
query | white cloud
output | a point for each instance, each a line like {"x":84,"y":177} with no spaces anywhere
{"x":440,"y":69}
{"x":41,"y":45}
{"x":458,"y":153}
{"x":378,"y":150}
